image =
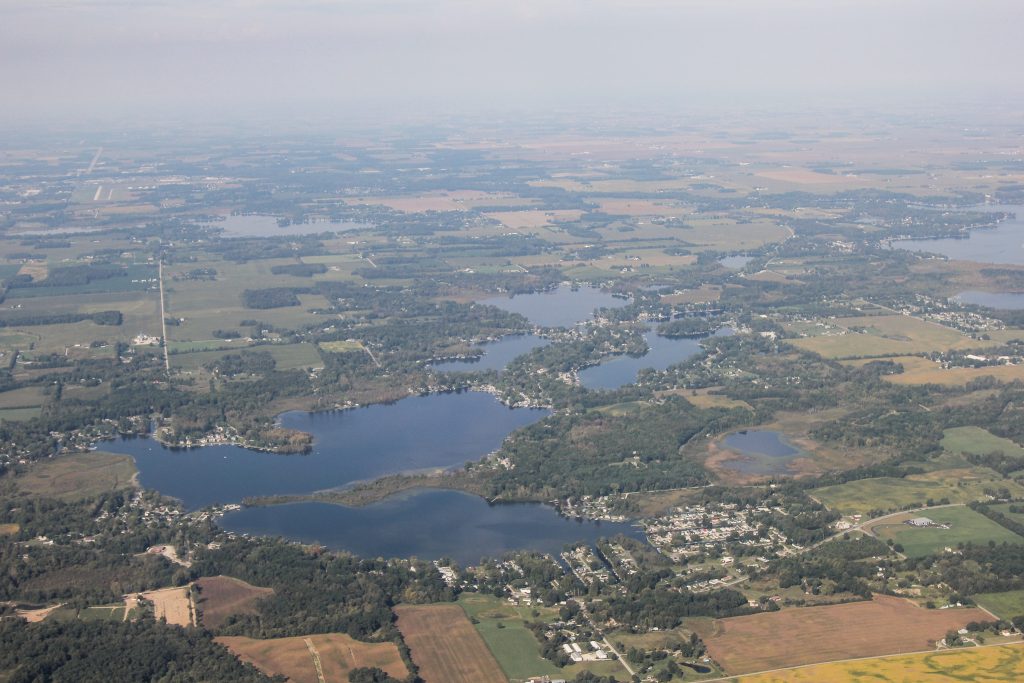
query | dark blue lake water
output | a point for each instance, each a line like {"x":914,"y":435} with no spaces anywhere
{"x":428,"y":524}
{"x":763,"y":451}
{"x":1006,"y":301}
{"x":562,"y":307}
{"x":497,"y":354}
{"x":662,"y":352}
{"x":439,"y":430}
{"x":1003,"y":244}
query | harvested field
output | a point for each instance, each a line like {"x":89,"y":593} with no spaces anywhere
{"x":445,"y":645}
{"x":534,"y":219}
{"x":9,"y":529}
{"x":983,"y":665}
{"x":797,"y":636}
{"x":294,"y":657}
{"x":172,"y":604}
{"x":918,"y":370}
{"x":222,"y":596}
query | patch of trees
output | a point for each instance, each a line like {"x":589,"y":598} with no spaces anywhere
{"x":299,"y":269}
{"x":372,"y":674}
{"x":273,"y":297}
{"x":140,"y":650}
{"x":244,"y":363}
{"x":688,"y":327}
{"x":663,"y":608}
{"x":594,"y":453}
{"x":317,"y":592}
{"x":975,"y":568}
{"x":34,"y":318}
{"x":835,"y":562}
{"x":69,"y":276}
{"x":997,"y":460}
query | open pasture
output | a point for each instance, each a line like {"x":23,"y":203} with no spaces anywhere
{"x":883,"y":335}
{"x":287,"y":356}
{"x":297,"y":657}
{"x":72,"y":477}
{"x":996,"y":664}
{"x":798,"y":636}
{"x":918,"y":370}
{"x":222,"y":596}
{"x":445,"y":645}
{"x":964,"y":526}
{"x":960,"y":485}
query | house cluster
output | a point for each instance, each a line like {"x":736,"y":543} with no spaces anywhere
{"x":690,"y":530}
{"x":595,"y":653}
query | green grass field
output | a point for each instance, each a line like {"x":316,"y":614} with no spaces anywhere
{"x":978,"y":441}
{"x":966,"y":526}
{"x":18,"y":414}
{"x":1004,"y":605}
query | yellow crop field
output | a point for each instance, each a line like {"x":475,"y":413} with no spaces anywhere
{"x":979,"y":665}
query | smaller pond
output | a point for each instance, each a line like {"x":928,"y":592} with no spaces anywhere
{"x":763,"y":452}
{"x":1007,"y":301}
{"x":497,"y":354}
{"x":561,"y":307}
{"x":253,"y":225}
{"x":662,"y":352}
{"x":428,"y":524}
{"x":736,"y":262}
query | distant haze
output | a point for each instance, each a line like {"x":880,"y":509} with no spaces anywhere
{"x":117,"y":59}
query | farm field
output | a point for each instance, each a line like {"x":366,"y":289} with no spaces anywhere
{"x":965,"y":525}
{"x":960,"y":485}
{"x":994,"y":664}
{"x":1005,"y":605}
{"x":337,"y":653}
{"x":223,"y":596}
{"x":72,"y":477}
{"x":445,"y":645}
{"x":797,"y":636}
{"x":172,"y":604}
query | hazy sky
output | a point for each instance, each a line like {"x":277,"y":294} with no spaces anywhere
{"x":122,"y":58}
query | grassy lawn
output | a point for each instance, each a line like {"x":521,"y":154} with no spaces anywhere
{"x":1004,"y":605}
{"x":965,"y":524}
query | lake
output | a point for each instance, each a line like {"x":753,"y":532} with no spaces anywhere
{"x":764,"y":452}
{"x":428,"y":524}
{"x":1002,"y":244}
{"x":662,"y":352}
{"x":561,"y":307}
{"x":497,"y":354}
{"x":1006,"y":301}
{"x":253,"y":225}
{"x":438,"y":430}
{"x":735,"y":262}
